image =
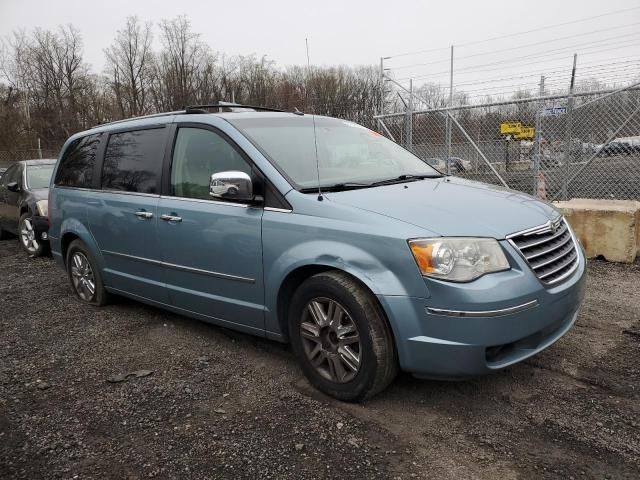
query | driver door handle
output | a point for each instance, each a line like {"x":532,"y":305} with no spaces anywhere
{"x":143,"y":214}
{"x":170,"y":218}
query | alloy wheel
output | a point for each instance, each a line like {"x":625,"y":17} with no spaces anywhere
{"x":82,"y":276}
{"x":331,"y":340}
{"x":28,"y":236}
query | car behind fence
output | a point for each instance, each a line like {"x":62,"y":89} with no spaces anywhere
{"x":582,"y":145}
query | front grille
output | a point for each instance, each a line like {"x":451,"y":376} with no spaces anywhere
{"x":550,"y":250}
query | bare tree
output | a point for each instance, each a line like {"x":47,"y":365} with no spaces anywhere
{"x":181,"y":64}
{"x":130,"y":67}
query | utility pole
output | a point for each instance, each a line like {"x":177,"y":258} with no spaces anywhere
{"x":537,"y":139}
{"x":448,"y":124}
{"x":568,"y":140}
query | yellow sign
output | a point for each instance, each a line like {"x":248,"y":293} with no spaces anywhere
{"x":525,"y":132}
{"x":509,"y":128}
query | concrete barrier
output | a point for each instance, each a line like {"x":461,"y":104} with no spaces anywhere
{"x":610,"y":228}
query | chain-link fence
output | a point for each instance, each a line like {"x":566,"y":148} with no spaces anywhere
{"x":7,"y":157}
{"x":585,"y":145}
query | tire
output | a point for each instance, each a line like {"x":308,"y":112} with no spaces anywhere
{"x":27,"y":237}
{"x":332,"y":345}
{"x":84,"y":276}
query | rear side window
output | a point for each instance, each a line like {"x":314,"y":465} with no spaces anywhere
{"x":133,"y":161}
{"x":76,"y":165}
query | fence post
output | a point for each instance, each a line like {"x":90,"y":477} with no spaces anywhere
{"x":409,"y":119}
{"x":39,"y":149}
{"x":381,"y":85}
{"x":568,"y":141}
{"x":537,"y":139}
{"x":448,"y":124}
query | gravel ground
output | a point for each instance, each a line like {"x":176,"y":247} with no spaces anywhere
{"x":207,"y":402}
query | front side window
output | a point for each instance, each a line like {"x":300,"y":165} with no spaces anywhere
{"x":76,"y":165}
{"x":39,"y":176}
{"x":346,"y":151}
{"x":198,"y":154}
{"x":11,"y":175}
{"x":133,"y":161}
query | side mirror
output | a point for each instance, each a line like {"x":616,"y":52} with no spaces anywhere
{"x":13,"y":187}
{"x":231,"y":185}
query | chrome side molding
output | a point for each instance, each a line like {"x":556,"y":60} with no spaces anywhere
{"x":182,"y":268}
{"x":483,"y":313}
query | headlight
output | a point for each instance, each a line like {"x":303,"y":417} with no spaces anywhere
{"x":42,"y":206}
{"x":458,"y":259}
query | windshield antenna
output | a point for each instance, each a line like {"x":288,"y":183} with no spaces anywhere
{"x":313,"y":118}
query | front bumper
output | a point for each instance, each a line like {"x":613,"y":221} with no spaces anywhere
{"x":40,"y":227}
{"x":513,"y":317}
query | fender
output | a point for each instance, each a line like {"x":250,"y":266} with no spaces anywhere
{"x":356,"y":261}
{"x":72,"y":225}
{"x":22,"y":204}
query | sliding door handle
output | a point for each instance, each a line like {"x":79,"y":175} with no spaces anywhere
{"x":170,"y":218}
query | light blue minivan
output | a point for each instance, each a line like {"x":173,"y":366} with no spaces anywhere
{"x":316,"y":231}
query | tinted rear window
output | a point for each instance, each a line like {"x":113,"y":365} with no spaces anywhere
{"x":133,"y":161}
{"x":76,"y":165}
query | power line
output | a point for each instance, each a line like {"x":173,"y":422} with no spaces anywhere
{"x":519,"y":33}
{"x":520,"y":47}
{"x":535,"y":75}
{"x":561,"y":73}
{"x":549,"y":53}
{"x":558,"y":81}
{"x":470,"y":69}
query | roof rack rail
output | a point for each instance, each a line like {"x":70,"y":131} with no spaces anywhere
{"x":226,"y":105}
{"x":143,"y":117}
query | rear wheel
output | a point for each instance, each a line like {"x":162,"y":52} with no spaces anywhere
{"x":27,"y":235}
{"x":84,"y":275}
{"x":341,"y":337}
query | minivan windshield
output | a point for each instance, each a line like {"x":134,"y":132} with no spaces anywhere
{"x":349,"y":155}
{"x":38,"y":176}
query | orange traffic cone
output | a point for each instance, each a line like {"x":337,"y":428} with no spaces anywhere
{"x":542,"y":187}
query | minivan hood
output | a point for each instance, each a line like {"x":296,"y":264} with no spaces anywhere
{"x":452,"y":206}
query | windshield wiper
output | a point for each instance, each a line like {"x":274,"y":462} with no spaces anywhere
{"x":404,"y":178}
{"x":337,"y":187}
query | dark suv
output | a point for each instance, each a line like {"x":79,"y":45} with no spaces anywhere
{"x":24,"y":189}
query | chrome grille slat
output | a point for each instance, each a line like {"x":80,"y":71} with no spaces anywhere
{"x":562,"y":243}
{"x":551,"y":253}
{"x":564,"y":264}
{"x":543,"y":240}
{"x":556,"y":257}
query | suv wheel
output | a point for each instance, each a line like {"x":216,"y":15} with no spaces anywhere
{"x":27,"y":236}
{"x":341,"y":337}
{"x":84,"y":275}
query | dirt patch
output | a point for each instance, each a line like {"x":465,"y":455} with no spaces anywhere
{"x":130,"y":391}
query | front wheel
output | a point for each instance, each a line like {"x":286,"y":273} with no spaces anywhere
{"x":341,"y":337}
{"x":27,"y":236}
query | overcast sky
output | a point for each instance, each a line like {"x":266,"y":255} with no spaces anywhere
{"x":360,"y":32}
